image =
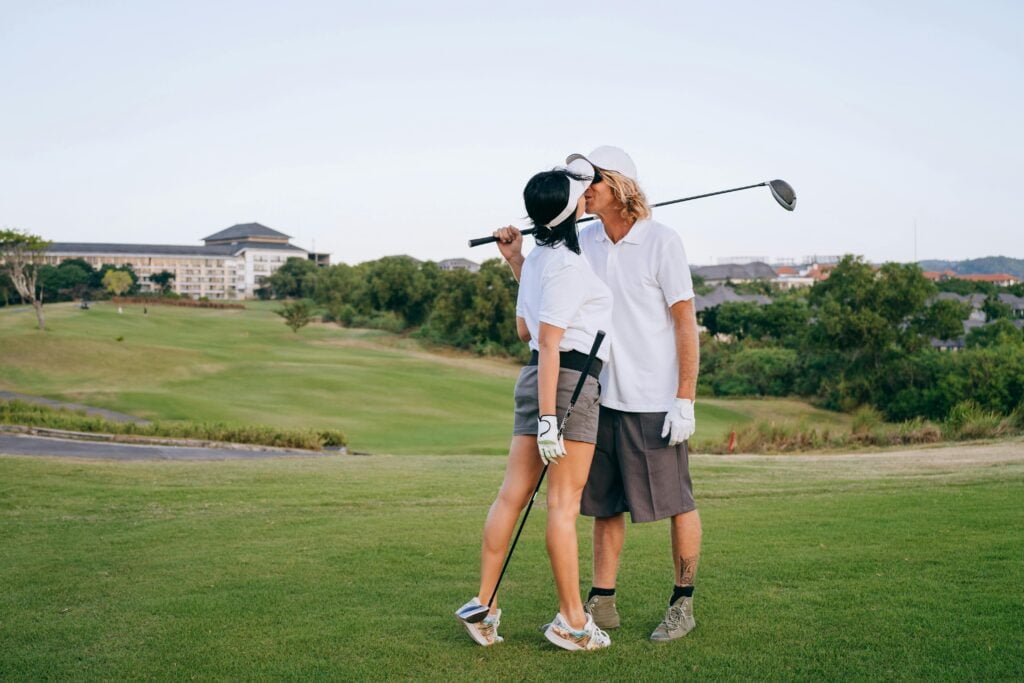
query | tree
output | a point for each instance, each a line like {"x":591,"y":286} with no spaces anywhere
{"x":67,"y":281}
{"x":995,"y":309}
{"x":997,"y":333}
{"x":21,"y":255}
{"x":296,"y":315}
{"x":98,"y":277}
{"x":117,"y":282}
{"x":163,"y":279}
{"x":295,"y":278}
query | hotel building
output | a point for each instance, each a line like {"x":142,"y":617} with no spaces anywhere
{"x":232,"y":264}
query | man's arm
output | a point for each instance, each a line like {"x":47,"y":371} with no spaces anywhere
{"x":684,"y":323}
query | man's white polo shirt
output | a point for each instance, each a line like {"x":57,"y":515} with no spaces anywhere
{"x":647,"y":272}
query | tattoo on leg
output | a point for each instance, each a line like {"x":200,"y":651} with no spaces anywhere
{"x":688,"y":569}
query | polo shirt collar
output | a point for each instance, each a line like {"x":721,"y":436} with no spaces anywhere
{"x":634,"y":236}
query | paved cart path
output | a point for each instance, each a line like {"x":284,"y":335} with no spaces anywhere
{"x":17,"y":444}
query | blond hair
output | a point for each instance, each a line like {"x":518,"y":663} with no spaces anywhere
{"x":627,"y":193}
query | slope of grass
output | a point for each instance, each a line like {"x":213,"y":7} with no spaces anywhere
{"x":894,"y":567}
{"x":243,"y":367}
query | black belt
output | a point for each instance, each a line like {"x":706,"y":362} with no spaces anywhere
{"x":573,"y":360}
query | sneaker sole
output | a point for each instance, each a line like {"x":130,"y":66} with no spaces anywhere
{"x":558,"y":641}
{"x":669,"y":640}
{"x":475,"y":635}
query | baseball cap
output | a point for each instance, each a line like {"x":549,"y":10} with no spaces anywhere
{"x":610,"y":159}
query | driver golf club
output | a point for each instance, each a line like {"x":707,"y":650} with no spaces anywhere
{"x":477,"y":614}
{"x":781,"y":190}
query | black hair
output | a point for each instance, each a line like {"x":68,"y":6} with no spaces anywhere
{"x":545,"y":196}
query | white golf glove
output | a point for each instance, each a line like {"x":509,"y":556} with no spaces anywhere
{"x":549,"y":441}
{"x":680,"y":424}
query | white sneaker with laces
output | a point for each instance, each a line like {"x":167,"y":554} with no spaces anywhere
{"x":483,"y":632}
{"x":560,"y":633}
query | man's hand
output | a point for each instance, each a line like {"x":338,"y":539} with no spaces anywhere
{"x":510,"y":243}
{"x":549,"y":441}
{"x":680,"y":424}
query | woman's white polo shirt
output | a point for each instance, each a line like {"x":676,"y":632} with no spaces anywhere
{"x":558,"y":287}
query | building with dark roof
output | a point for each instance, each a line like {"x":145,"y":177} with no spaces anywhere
{"x":734,"y":272}
{"x":232,"y":264}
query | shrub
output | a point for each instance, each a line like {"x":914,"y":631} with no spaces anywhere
{"x":968,"y":420}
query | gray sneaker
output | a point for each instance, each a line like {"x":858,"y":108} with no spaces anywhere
{"x":677,"y":623}
{"x":602,"y":608}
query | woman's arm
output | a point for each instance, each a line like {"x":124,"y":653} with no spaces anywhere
{"x":522,"y":330}
{"x":548,"y":364}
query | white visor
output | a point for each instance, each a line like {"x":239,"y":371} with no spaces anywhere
{"x":576,"y":189}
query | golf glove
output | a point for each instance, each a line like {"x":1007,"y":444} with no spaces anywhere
{"x":680,"y":424}
{"x":549,"y":441}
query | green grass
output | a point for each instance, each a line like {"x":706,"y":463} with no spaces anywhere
{"x":244,"y":367}
{"x":892,"y":567}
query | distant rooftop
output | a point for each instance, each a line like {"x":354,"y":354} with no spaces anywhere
{"x":243,"y":231}
{"x":163,"y":249}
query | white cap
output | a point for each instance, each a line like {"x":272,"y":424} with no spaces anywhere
{"x":610,"y":159}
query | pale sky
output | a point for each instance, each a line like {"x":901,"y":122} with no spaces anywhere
{"x":397,"y":127}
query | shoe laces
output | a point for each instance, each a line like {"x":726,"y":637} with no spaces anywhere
{"x":674,"y":616}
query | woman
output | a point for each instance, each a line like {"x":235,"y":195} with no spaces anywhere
{"x":561,"y":306}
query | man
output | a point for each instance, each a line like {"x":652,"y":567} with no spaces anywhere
{"x":641,"y":464}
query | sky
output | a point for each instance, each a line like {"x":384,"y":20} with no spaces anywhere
{"x":372,"y":129}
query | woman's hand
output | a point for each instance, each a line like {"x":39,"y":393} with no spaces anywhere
{"x":549,"y":441}
{"x":510,"y":243}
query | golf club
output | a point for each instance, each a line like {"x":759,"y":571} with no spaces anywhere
{"x":780,"y":189}
{"x":477,"y":614}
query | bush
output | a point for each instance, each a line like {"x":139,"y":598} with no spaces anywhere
{"x":968,"y":420}
{"x":757,"y":372}
{"x":32,"y":415}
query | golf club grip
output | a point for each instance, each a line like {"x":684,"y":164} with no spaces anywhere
{"x":584,"y":373}
{"x":487,"y":240}
{"x":527,"y":231}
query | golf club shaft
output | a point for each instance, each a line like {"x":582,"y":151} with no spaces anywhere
{"x":598,"y":338}
{"x":529,"y":231}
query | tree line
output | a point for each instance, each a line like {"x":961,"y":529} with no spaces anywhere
{"x":861,"y":337}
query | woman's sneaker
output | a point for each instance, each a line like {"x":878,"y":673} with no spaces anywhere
{"x":483,"y":632}
{"x":566,"y":637}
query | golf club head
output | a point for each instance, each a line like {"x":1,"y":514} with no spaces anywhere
{"x":783,"y":193}
{"x":473,"y":615}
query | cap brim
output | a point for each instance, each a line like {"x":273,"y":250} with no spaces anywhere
{"x":573,"y":157}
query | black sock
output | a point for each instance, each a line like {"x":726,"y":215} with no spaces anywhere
{"x":600,"y":591}
{"x":681,"y":592}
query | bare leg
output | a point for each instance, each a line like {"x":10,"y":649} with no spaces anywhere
{"x":565,"y":488}
{"x":609,"y":537}
{"x":521,"y":474}
{"x":686,"y":537}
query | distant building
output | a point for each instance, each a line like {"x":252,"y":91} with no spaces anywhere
{"x":734,"y":272}
{"x":998,"y":279}
{"x":232,"y":264}
{"x":722,"y":294}
{"x":459,"y":264}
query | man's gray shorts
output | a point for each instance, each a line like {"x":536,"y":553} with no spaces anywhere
{"x":582,"y":425}
{"x":636,"y":471}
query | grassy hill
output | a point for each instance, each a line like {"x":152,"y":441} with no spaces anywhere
{"x":388,"y":393}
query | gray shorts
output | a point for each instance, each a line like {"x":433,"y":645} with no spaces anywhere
{"x":582,"y":425}
{"x":636,"y":471}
